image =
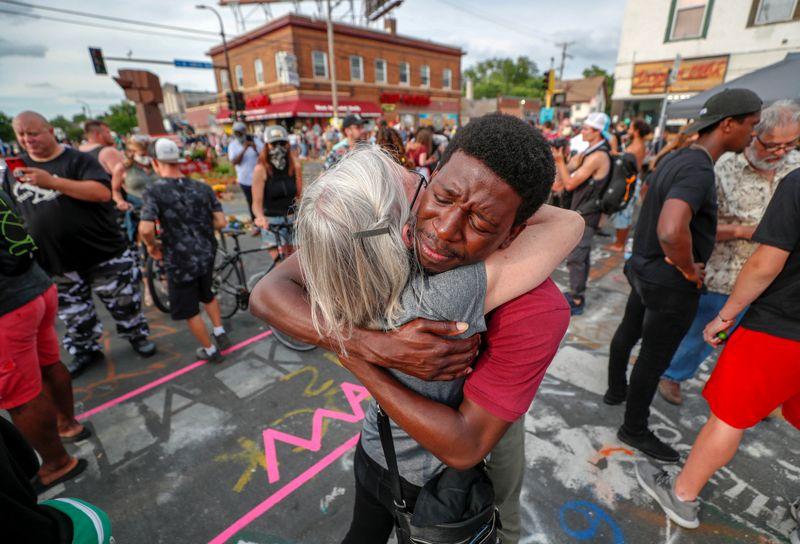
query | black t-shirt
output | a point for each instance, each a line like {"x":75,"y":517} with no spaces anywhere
{"x":687,"y":175}
{"x":184,"y":209}
{"x":21,"y":279}
{"x":777,"y":310}
{"x":21,"y":518}
{"x":72,"y":234}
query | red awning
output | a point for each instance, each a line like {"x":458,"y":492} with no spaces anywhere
{"x":310,"y":107}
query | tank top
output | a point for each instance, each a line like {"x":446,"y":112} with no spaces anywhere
{"x":137,"y":179}
{"x":593,"y":187}
{"x":280,"y":190}
{"x":96,"y":152}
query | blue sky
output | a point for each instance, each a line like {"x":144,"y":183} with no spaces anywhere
{"x":44,"y":64}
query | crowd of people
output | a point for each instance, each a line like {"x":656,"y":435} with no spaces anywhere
{"x":423,"y":260}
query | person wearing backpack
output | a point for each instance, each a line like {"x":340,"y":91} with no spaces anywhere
{"x":586,"y":175}
{"x":637,"y":147}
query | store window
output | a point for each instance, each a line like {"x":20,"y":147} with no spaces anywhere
{"x":688,"y":19}
{"x":319,"y":61}
{"x":425,"y":75}
{"x":224,"y":81}
{"x":380,"y":71}
{"x":773,"y":11}
{"x":447,"y":78}
{"x":239,"y":75}
{"x":405,"y":72}
{"x":259,"y":68}
{"x":356,"y":68}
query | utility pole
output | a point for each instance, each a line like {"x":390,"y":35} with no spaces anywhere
{"x":564,"y":56}
{"x":332,"y":66}
{"x":672,"y":75}
{"x":231,"y":86}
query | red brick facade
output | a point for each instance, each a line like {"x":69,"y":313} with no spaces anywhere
{"x":302,"y":36}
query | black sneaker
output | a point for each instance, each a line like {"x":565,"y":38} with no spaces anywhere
{"x":649,"y":444}
{"x":81,"y":361}
{"x":214,"y":358}
{"x":143,"y":346}
{"x":222,"y":341}
{"x":613,"y":399}
{"x":576,"y":303}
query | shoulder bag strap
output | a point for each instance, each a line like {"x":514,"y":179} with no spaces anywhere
{"x":385,"y":431}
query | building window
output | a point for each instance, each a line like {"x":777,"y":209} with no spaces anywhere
{"x":223,"y":79}
{"x":380,"y":71}
{"x":259,"y":68}
{"x":773,"y":11}
{"x":319,"y":60}
{"x":405,"y":72}
{"x":356,"y":68}
{"x":447,"y":78}
{"x":239,"y":75}
{"x":425,"y":75}
{"x":688,"y":19}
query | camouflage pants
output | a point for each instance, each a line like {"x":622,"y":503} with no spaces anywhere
{"x":117,"y":283}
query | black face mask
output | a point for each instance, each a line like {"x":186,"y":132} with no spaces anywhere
{"x":277,"y":156}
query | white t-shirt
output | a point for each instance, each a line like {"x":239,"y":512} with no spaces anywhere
{"x":244,"y":170}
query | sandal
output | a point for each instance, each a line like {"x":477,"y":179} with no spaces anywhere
{"x":83,"y":435}
{"x":40,"y":488}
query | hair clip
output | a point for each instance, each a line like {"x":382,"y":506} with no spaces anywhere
{"x":373,"y":232}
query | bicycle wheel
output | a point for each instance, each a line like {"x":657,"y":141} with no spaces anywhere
{"x":156,"y":277}
{"x":229,"y":286}
{"x":290,"y":342}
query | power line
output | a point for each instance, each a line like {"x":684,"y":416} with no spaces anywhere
{"x":109,"y":18}
{"x":104,"y":27}
{"x":526,"y":31}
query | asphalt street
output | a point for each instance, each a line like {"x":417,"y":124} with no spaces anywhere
{"x":259,"y":448}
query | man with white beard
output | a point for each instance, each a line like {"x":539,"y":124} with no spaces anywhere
{"x":745,"y":185}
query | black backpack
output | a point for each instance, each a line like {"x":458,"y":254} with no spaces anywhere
{"x":620,"y":189}
{"x":16,"y":245}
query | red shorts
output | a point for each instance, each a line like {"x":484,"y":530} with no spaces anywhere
{"x":756,"y":373}
{"x":28,"y":340}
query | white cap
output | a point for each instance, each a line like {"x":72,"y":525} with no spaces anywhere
{"x":238,"y":126}
{"x":597,"y":120}
{"x":167,"y":151}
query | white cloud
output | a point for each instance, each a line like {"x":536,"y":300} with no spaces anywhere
{"x":15,"y":49}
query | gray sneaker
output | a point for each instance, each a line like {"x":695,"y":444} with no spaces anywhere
{"x":659,"y":484}
{"x":794,"y":538}
{"x":222,"y":341}
{"x":794,"y":509}
{"x":214,"y":358}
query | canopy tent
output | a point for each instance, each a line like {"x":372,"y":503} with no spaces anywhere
{"x":777,"y":81}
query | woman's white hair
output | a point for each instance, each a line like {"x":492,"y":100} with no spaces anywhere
{"x":354,"y":281}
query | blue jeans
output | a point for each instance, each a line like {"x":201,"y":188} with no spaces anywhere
{"x":693,"y":350}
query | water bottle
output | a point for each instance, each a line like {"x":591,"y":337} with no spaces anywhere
{"x":628,"y":248}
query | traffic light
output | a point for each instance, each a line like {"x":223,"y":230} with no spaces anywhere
{"x":235,"y":100}
{"x":545,"y":85}
{"x":97,"y":61}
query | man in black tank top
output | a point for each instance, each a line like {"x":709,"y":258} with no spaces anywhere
{"x":100,"y":144}
{"x":585,"y":175}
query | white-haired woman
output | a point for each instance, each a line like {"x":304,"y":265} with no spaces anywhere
{"x":354,"y":233}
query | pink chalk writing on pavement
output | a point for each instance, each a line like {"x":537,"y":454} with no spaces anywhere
{"x":354,"y":394}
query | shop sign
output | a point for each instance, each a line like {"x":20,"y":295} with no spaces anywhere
{"x":388,"y":107}
{"x":286,"y":66}
{"x":406,"y":99}
{"x":257,"y":102}
{"x":694,"y":75}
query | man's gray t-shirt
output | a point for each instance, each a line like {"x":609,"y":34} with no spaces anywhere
{"x":455,"y":295}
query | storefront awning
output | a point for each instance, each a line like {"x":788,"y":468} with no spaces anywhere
{"x":309,"y":107}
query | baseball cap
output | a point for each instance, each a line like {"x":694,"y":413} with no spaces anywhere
{"x":352,"y":119}
{"x":597,"y":120}
{"x":276,"y":133}
{"x":726,"y":103}
{"x":167,"y":151}
{"x":238,"y":126}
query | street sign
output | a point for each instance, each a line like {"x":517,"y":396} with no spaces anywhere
{"x":99,"y":64}
{"x":192,"y":64}
{"x":546,"y":114}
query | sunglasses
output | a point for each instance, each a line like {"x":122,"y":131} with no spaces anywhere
{"x":423,"y":182}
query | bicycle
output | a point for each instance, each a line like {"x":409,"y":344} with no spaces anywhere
{"x":230,"y":283}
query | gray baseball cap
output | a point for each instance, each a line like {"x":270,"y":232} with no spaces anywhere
{"x":276,"y":133}
{"x":238,"y":126}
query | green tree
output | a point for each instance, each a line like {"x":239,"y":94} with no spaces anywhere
{"x":71,"y":130}
{"x":505,"y":76}
{"x":595,"y":70}
{"x":6,"y":131}
{"x":121,"y":118}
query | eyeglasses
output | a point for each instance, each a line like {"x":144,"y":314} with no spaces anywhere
{"x":788,"y":146}
{"x":423,"y":182}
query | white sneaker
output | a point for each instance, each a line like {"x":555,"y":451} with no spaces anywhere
{"x":794,"y":538}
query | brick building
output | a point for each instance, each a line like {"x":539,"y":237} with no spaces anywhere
{"x":282,"y":68}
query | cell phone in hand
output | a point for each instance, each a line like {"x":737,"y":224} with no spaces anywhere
{"x":13,"y":164}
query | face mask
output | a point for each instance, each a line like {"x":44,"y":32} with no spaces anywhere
{"x":143,"y":160}
{"x":277,"y":156}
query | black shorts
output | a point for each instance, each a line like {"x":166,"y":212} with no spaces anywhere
{"x":185,"y":296}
